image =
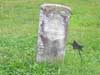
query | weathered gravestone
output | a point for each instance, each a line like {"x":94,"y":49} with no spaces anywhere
{"x":54,"y":19}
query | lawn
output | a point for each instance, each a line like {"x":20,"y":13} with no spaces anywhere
{"x":19,"y":21}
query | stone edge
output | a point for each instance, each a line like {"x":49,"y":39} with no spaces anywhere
{"x":57,"y":5}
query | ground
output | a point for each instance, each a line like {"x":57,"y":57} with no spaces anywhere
{"x":19,"y":21}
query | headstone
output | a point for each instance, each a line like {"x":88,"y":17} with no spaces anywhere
{"x":54,"y":19}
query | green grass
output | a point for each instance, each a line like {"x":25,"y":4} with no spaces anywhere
{"x":18,"y":38}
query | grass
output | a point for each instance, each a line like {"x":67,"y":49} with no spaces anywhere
{"x":18,"y":38}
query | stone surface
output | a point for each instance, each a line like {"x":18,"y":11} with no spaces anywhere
{"x":52,"y":36}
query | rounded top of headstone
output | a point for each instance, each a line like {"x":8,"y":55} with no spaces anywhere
{"x":56,"y":5}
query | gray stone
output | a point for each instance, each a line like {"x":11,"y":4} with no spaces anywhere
{"x":54,"y":19}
